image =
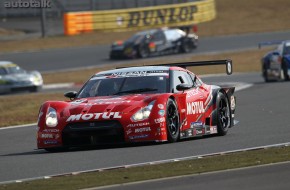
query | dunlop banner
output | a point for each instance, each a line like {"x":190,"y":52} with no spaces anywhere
{"x":173,"y":15}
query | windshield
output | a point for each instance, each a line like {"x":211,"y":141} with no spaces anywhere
{"x":14,"y":70}
{"x":107,"y":86}
{"x":287,"y":49}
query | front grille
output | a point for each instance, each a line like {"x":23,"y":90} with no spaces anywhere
{"x":93,"y":133}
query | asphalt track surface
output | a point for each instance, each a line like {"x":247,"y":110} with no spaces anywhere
{"x":263,"y":112}
{"x":72,"y":58}
{"x":267,"y":177}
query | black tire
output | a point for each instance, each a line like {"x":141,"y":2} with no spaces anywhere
{"x":223,"y":114}
{"x":57,"y":149}
{"x":186,"y":46}
{"x":285,"y":70}
{"x":143,"y":51}
{"x":172,"y":121}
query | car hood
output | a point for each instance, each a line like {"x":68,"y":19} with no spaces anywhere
{"x":121,"y":104}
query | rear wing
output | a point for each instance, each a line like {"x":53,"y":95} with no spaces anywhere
{"x":227,"y":62}
{"x":269,"y":43}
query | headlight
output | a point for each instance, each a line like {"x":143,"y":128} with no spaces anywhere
{"x":51,"y":117}
{"x":143,"y":113}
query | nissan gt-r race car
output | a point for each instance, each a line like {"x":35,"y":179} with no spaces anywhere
{"x":154,"y":42}
{"x":276,"y":64}
{"x":138,"y":104}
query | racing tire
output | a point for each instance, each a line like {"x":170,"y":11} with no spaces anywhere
{"x":143,"y":51}
{"x":172,"y":121}
{"x":223,"y":114}
{"x":57,"y":149}
{"x":285,"y":71}
{"x":186,"y":46}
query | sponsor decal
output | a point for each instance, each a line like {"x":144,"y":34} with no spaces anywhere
{"x":199,"y":131}
{"x":95,"y":116}
{"x":159,"y":120}
{"x":161,"y":16}
{"x":213,"y":129}
{"x":161,"y":112}
{"x":110,"y":101}
{"x":138,"y":73}
{"x":46,"y":136}
{"x":138,"y":124}
{"x":189,"y":133}
{"x":129,"y":131}
{"x":139,"y":137}
{"x":191,"y":93}
{"x":182,"y":110}
{"x":50,"y":142}
{"x":196,"y":124}
{"x":78,"y":101}
{"x":51,"y":130}
{"x":160,"y":133}
{"x":141,"y":130}
{"x":195,"y":108}
{"x":160,"y":106}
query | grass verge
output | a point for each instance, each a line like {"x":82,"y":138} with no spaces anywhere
{"x":120,"y":176}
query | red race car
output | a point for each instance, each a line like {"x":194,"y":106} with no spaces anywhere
{"x":137,"y":104}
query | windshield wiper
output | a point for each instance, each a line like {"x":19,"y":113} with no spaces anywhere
{"x":137,"y":90}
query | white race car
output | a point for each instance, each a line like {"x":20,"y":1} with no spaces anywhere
{"x":13,"y":79}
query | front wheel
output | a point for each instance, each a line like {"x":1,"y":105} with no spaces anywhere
{"x":172,"y":121}
{"x":223,"y":114}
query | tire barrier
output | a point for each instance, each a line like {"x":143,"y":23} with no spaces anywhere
{"x":174,"y":15}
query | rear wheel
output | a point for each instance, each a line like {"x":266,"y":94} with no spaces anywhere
{"x":172,"y":121}
{"x":143,"y":51}
{"x":186,"y":46}
{"x":223,"y":114}
{"x":285,"y":70}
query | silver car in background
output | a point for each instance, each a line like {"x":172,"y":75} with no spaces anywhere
{"x":14,"y":79}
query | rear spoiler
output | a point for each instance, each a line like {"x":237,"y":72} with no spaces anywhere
{"x":228,"y":63}
{"x":269,"y":43}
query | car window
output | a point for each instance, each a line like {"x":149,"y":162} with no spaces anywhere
{"x":181,"y":77}
{"x":158,"y":36}
{"x":286,"y":49}
{"x":173,"y":34}
{"x":3,"y":71}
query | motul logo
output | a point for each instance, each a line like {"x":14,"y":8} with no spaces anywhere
{"x":95,"y":116}
{"x":195,"y":108}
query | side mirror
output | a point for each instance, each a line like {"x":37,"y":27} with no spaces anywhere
{"x":182,"y":87}
{"x":71,"y":94}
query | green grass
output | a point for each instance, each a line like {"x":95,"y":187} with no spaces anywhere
{"x":126,"y":175}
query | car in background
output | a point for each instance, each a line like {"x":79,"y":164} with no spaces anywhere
{"x":138,"y":104}
{"x":276,"y":63}
{"x":14,"y":79}
{"x":154,"y":42}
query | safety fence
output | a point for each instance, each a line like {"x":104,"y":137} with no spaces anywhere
{"x":183,"y":14}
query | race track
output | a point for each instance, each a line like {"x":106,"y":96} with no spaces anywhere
{"x":72,"y":58}
{"x":262,"y":110}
